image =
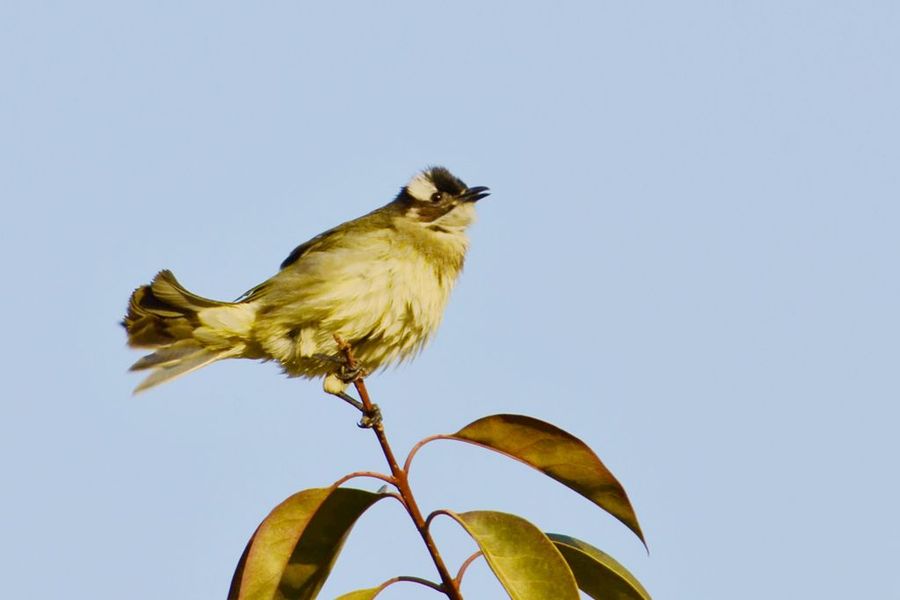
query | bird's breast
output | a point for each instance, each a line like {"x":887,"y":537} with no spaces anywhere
{"x":385,"y":298}
{"x":406,"y":296}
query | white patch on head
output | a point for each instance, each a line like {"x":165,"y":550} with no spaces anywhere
{"x":420,"y":187}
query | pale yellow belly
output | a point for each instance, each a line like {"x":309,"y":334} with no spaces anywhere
{"x":386,"y":309}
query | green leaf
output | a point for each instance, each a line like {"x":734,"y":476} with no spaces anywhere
{"x":555,"y":453}
{"x":360,"y":594}
{"x":293,"y":550}
{"x":598,"y":574}
{"x":525,"y":561}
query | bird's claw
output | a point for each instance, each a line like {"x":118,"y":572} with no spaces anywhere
{"x":344,"y":372}
{"x":371,"y":418}
{"x":349,"y":374}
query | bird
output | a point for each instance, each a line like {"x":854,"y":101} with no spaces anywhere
{"x":381,"y":282}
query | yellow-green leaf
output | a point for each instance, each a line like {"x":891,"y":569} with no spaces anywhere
{"x":293,"y":550}
{"x":525,"y":561}
{"x":555,"y":453}
{"x":598,"y":574}
{"x":367,"y":594}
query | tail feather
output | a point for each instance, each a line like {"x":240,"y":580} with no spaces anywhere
{"x":167,"y":289}
{"x":183,"y":327}
{"x":167,"y":355}
{"x":163,"y":312}
{"x":170,"y":370}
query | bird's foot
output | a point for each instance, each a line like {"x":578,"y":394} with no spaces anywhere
{"x":351,"y":401}
{"x":370,"y":418}
{"x":349,"y":374}
{"x":344,"y":371}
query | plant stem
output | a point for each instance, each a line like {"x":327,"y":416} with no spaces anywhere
{"x":401,"y":482}
{"x":465,"y":565}
{"x":355,"y":474}
{"x":411,"y":579}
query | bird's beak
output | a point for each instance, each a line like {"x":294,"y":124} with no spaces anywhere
{"x":474,"y":194}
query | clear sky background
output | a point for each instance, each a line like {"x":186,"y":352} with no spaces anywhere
{"x":689,"y":260}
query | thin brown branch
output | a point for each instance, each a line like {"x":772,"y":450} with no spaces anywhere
{"x":385,"y":478}
{"x":465,"y":565}
{"x":435,"y":586}
{"x":401,"y":482}
{"x":419,"y":444}
{"x":434,"y":514}
{"x":397,"y":497}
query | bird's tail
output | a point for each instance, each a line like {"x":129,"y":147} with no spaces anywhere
{"x":187,"y":331}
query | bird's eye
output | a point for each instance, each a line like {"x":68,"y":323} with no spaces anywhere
{"x":436,"y":197}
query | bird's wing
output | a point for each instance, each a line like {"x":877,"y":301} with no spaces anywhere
{"x":375,"y":221}
{"x":304,"y":248}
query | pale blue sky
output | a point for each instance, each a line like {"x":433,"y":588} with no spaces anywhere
{"x":689,"y":260}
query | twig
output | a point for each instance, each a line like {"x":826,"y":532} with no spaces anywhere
{"x":401,"y":482}
{"x":410,"y":578}
{"x":418,"y":446}
{"x":436,"y":513}
{"x":373,"y":474}
{"x":465,"y":565}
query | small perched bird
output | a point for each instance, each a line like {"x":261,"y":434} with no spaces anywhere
{"x":380,"y":282}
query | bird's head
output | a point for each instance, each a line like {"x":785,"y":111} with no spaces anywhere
{"x":437,"y":199}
